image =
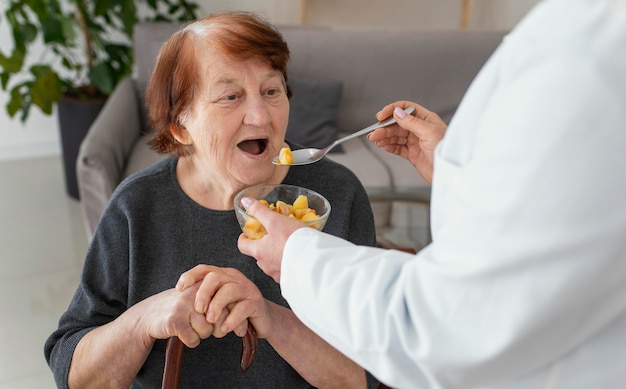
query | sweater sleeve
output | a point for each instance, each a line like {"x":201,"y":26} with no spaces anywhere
{"x":100,"y":297}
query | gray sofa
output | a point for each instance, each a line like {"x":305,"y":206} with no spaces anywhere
{"x":373,"y":66}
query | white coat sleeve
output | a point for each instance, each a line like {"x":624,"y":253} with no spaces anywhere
{"x":527,"y":262}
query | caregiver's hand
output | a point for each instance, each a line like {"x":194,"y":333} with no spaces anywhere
{"x":413,"y":137}
{"x":268,"y":250}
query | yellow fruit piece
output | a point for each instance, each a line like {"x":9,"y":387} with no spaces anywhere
{"x":254,"y":229}
{"x":284,"y":208}
{"x":285,"y":157}
{"x":298,"y":210}
{"x":253,"y":225}
{"x":302,"y":202}
{"x":307,"y":217}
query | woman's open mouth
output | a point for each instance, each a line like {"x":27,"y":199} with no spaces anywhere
{"x":253,"y":146}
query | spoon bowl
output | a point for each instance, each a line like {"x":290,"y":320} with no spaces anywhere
{"x":310,"y":155}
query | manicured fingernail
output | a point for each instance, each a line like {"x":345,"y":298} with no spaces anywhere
{"x":246,"y":202}
{"x":399,"y":112}
{"x":210,"y":317}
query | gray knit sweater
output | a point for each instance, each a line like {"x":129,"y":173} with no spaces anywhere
{"x":151,"y":232}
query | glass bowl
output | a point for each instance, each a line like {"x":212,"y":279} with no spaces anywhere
{"x":276,"y":194}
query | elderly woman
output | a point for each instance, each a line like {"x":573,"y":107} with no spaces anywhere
{"x":218,"y":100}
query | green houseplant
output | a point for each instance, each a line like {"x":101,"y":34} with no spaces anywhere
{"x":85,"y":50}
{"x":86,"y":47}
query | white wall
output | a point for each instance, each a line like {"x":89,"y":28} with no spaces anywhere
{"x":277,"y":11}
{"x":500,"y":14}
{"x":424,"y":14}
{"x":39,"y":135}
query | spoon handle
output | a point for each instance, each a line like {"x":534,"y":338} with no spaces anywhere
{"x":366,"y":130}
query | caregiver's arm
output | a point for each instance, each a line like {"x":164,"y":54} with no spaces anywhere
{"x":526,"y":262}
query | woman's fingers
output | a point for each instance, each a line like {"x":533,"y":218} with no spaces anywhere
{"x":210,"y":279}
{"x":218,"y":330}
{"x":194,"y":331}
{"x":225,"y":297}
{"x":170,"y":313}
{"x":238,"y":316}
{"x":201,"y":327}
{"x":193,"y":275}
{"x":231,"y":307}
{"x":209,"y":286}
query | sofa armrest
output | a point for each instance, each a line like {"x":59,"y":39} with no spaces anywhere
{"x":106,"y":148}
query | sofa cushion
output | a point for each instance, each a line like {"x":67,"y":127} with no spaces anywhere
{"x":314,"y":112}
{"x":142,"y":156}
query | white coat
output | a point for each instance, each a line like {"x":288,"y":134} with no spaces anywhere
{"x":524,"y":285}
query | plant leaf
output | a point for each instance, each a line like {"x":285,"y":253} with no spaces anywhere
{"x":14,"y":63}
{"x":101,"y":76}
{"x":101,"y":7}
{"x":4,"y":80}
{"x":109,"y":27}
{"x":68,"y":31}
{"x":16,"y":101}
{"x":129,"y":16}
{"x":46,"y":89}
{"x":25,"y":34}
{"x":52,"y":30}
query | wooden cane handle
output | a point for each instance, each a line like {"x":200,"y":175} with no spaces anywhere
{"x":248,"y":348}
{"x":174,"y":357}
{"x":173,"y":362}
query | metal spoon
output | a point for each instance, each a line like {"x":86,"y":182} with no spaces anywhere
{"x":306,"y":156}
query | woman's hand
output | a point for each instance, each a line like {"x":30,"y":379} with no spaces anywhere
{"x":96,"y":361}
{"x":413,"y":137}
{"x":227,"y":299}
{"x":171,"y":313}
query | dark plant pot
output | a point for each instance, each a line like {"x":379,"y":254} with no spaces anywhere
{"x":75,"y":118}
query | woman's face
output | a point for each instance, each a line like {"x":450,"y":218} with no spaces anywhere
{"x":238,"y":119}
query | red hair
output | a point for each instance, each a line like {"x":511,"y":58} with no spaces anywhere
{"x":172,"y":86}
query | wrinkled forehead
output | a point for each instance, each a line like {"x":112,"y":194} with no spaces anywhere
{"x":216,"y":72}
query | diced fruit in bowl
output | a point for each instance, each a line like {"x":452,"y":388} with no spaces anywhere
{"x":297,"y":202}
